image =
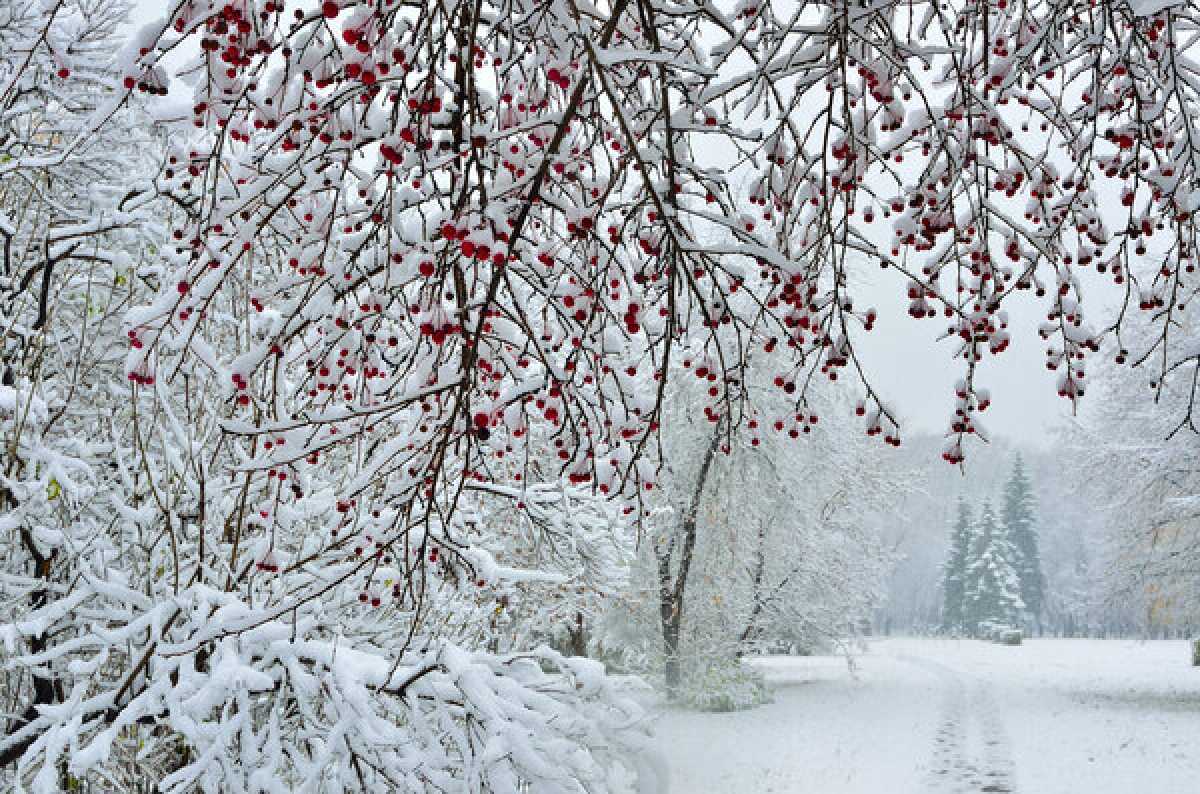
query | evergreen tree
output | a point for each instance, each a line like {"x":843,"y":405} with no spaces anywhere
{"x":1018,"y":521}
{"x":993,"y":590}
{"x":954,"y":571}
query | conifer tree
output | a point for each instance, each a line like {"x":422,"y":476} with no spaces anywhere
{"x":954,"y":571}
{"x":993,"y":591}
{"x":1019,"y":523}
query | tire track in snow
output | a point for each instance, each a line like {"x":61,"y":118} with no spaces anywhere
{"x":956,"y":767}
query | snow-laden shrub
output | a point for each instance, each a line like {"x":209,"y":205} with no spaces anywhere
{"x":1010,"y":637}
{"x":724,"y":684}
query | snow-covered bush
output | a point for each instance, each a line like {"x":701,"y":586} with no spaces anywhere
{"x":720,"y":683}
{"x":1010,"y":636}
{"x":569,"y":556}
{"x":77,"y":223}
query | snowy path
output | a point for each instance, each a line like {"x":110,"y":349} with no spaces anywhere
{"x":971,"y":749}
{"x":955,"y":717}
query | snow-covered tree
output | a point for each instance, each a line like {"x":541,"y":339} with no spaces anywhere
{"x":783,"y":549}
{"x":140,"y":632}
{"x":1138,"y":465}
{"x":955,"y":570}
{"x":788,"y":552}
{"x":1073,"y":604}
{"x":993,"y":590}
{"x":76,"y":225}
{"x":1019,"y":523}
{"x":574,"y":554}
{"x":413,"y":251}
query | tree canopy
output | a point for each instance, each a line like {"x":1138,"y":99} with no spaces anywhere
{"x":381,"y":270}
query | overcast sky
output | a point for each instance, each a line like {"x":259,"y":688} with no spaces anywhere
{"x":918,"y":374}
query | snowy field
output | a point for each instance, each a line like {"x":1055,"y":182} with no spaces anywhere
{"x":951,"y":717}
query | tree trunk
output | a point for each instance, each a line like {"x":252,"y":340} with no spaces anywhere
{"x":671,"y":650}
{"x":671,"y":588}
{"x":756,"y":581}
{"x":577,"y":637}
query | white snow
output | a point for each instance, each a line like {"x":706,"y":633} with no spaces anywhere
{"x":1149,"y":8}
{"x":927,"y":716}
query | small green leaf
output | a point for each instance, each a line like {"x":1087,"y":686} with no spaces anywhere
{"x":53,"y":489}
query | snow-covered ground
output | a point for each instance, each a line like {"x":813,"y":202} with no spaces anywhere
{"x":948,"y":717}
